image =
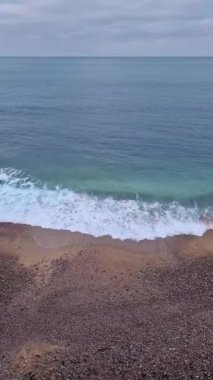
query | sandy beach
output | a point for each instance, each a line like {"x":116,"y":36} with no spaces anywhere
{"x":77,"y":307}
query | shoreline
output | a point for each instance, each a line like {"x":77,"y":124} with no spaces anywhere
{"x":52,"y":240}
{"x":76,"y":306}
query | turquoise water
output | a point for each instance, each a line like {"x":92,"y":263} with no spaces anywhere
{"x":118,"y":146}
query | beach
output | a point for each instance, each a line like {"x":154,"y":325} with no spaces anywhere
{"x":77,"y":307}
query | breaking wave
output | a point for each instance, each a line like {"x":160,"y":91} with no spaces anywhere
{"x":24,"y":200}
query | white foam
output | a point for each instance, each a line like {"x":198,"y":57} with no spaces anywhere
{"x":22,"y":201}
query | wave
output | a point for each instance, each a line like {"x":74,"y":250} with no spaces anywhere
{"x":24,"y":200}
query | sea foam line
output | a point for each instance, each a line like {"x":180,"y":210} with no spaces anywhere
{"x":23,"y":201}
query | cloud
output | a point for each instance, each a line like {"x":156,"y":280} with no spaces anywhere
{"x":106,"y":27}
{"x":27,"y":10}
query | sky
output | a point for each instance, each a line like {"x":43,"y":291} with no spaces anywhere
{"x":106,"y":27}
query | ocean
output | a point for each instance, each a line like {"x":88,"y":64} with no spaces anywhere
{"x":107,"y":146}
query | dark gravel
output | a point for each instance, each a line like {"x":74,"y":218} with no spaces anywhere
{"x":77,"y":320}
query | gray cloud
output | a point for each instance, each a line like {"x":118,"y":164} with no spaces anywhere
{"x":106,"y":27}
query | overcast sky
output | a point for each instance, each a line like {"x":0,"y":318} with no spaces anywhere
{"x":106,"y":27}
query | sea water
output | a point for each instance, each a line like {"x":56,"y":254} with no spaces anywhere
{"x":107,"y":146}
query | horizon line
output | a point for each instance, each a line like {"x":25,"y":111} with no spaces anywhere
{"x":107,"y":56}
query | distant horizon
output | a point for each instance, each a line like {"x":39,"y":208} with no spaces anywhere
{"x":107,"y":56}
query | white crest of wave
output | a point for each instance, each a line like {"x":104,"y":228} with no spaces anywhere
{"x":21,"y":201}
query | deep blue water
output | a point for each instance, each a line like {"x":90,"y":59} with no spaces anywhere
{"x":119,"y":146}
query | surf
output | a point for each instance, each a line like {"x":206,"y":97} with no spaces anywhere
{"x":25,"y":200}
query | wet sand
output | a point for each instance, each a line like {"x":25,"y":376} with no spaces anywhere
{"x":77,"y":307}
